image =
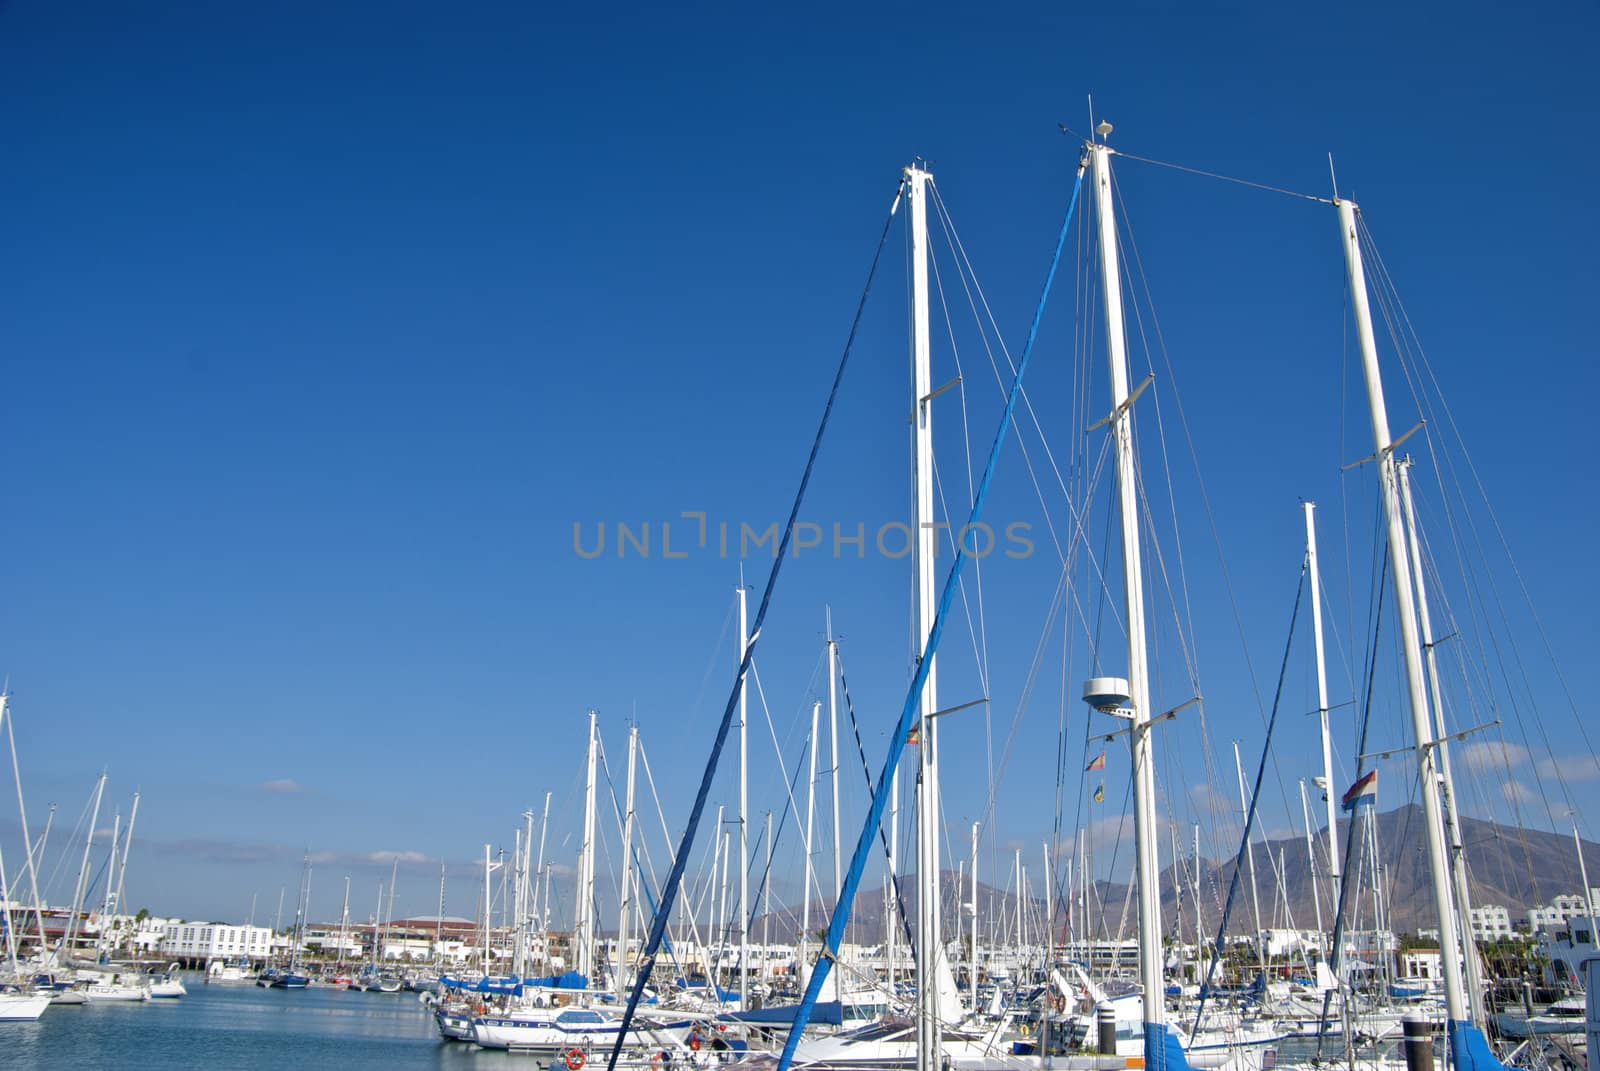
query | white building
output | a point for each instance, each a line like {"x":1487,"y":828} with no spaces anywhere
{"x":1422,"y":963}
{"x":215,"y":940}
{"x":1281,"y":944}
{"x":1490,"y":922}
{"x":1561,"y":911}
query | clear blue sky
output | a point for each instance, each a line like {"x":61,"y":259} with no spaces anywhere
{"x":323,"y":325}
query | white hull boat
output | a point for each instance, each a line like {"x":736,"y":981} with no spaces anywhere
{"x":553,"y":1031}
{"x":23,"y":1007}
{"x":116,"y":992}
{"x":167,"y":989}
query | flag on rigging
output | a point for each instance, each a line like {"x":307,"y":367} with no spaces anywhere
{"x":1096,"y":763}
{"x":1364,"y":793}
{"x":1100,"y":793}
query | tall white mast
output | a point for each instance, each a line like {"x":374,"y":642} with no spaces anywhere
{"x":438,"y":920}
{"x":1405,"y":606}
{"x":1199,"y":925}
{"x":929,"y":1035}
{"x":487,"y":869}
{"x":110,"y":898}
{"x":5,"y":889}
{"x":1016,"y":938}
{"x":1250,"y":851}
{"x":22,"y":817}
{"x":1144,"y":785}
{"x":833,"y":743}
{"x":520,"y":918}
{"x":541,"y":879}
{"x":1315,"y":577}
{"x":891,"y":888}
{"x":1311,"y":856}
{"x":766,"y":901}
{"x":972,"y":981}
{"x":83,"y":871}
{"x":626,"y":908}
{"x":1447,"y":785}
{"x":744,"y":810}
{"x":388,"y":913}
{"x":122,"y":866}
{"x":811,"y":810}
{"x":722,"y":915}
{"x":585,"y":907}
{"x":344,"y":922}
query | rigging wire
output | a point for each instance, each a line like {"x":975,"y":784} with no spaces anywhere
{"x":675,"y":877}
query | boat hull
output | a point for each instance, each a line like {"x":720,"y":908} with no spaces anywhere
{"x":22,"y":1007}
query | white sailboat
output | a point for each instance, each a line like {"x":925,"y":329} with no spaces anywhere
{"x":555,"y":1024}
{"x":17,"y":1001}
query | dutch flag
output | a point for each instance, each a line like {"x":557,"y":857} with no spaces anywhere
{"x":1364,"y":793}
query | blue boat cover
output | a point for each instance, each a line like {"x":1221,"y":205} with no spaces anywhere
{"x":830,"y":1012}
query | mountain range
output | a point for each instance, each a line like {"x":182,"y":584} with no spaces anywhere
{"x":1514,"y":867}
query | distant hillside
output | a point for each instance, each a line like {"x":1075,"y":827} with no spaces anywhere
{"x":1515,"y":868}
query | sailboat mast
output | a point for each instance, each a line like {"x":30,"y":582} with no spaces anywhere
{"x":929,"y":1045}
{"x":744,"y":809}
{"x":766,"y":900}
{"x":833,"y":744}
{"x":109,"y":899}
{"x":972,"y":981}
{"x":486,"y":907}
{"x":585,"y":906}
{"x":1250,"y":852}
{"x":22,"y":817}
{"x":1016,"y":938}
{"x":626,"y":907}
{"x":5,"y":891}
{"x":127,"y":841}
{"x":1405,"y":606}
{"x":1199,"y":926}
{"x":438,"y":920}
{"x":81,"y":889}
{"x":1314,"y":576}
{"x":1447,"y":784}
{"x":811,"y":811}
{"x":1144,"y":785}
{"x":344,"y":923}
{"x":1583,"y":869}
{"x":1311,"y":855}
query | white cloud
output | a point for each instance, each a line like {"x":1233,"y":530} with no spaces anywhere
{"x":1517,"y":792}
{"x":397,"y":857}
{"x":282,"y":786}
{"x":1576,"y":767}
{"x":1491,"y":756}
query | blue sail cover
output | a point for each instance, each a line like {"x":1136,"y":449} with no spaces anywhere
{"x":1469,"y":1049}
{"x":1163,"y":1051}
{"x":829,"y":1012}
{"x":512,"y":985}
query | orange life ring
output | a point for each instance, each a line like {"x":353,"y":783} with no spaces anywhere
{"x":658,"y":1060}
{"x":575,"y":1059}
{"x":694,"y":1042}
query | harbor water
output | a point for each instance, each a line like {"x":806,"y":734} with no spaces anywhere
{"x":242,"y":1026}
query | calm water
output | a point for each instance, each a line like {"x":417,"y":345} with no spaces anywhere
{"x":237,"y":1026}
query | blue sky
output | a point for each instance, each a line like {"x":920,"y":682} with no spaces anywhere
{"x":323,"y":326}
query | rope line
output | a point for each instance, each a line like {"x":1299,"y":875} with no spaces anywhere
{"x":680,"y":857}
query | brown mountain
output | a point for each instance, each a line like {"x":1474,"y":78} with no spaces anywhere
{"x":1514,"y":867}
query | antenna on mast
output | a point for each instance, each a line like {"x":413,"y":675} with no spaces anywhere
{"x":1333,"y":176}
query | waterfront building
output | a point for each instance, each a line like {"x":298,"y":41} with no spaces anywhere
{"x":201,"y":942}
{"x":1491,"y":922}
